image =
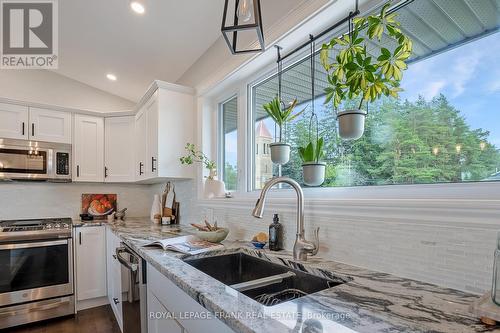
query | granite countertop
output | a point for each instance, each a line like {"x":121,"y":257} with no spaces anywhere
{"x":370,"y":302}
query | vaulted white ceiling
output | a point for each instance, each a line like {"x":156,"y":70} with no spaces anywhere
{"x":97,"y":37}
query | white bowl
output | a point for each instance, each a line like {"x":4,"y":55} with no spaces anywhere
{"x":213,"y":236}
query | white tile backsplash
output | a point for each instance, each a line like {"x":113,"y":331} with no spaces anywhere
{"x":37,"y":200}
{"x":458,"y":256}
{"x":434,"y":249}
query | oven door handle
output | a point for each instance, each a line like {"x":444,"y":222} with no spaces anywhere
{"x":30,"y":245}
{"x":123,"y":261}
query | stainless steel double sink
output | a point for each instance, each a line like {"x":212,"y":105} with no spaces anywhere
{"x":267,"y":282}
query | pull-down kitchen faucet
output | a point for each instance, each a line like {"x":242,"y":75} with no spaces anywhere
{"x":302,"y":247}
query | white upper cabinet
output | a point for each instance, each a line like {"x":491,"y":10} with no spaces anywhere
{"x":49,"y":125}
{"x":140,"y":144}
{"x":14,"y":121}
{"x":145,"y":147}
{"x":164,"y":125}
{"x":152,"y":138}
{"x":21,"y":122}
{"x":88,"y":149}
{"x":119,"y":149}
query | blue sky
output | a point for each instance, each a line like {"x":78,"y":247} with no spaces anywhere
{"x":469,"y":76}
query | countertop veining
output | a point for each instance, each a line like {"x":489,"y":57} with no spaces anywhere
{"x":370,"y":302}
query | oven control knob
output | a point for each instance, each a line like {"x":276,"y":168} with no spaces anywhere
{"x":65,"y":225}
{"x":48,"y":226}
{"x":57,"y":225}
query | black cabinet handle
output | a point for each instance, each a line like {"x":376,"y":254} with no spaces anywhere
{"x":78,"y":171}
{"x":105,"y":172}
{"x":140,"y":168}
{"x":115,"y":300}
{"x":23,"y":128}
{"x":153,"y":161}
{"x":114,"y":256}
{"x":32,"y":129}
{"x":80,"y":238}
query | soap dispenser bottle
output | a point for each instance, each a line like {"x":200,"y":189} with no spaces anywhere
{"x":275,"y":234}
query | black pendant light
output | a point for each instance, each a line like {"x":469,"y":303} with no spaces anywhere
{"x":247,"y":19}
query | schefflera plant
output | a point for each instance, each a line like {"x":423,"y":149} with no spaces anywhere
{"x":359,"y":73}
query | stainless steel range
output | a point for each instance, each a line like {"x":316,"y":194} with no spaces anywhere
{"x":36,"y":270}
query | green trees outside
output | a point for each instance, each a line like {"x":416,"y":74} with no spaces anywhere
{"x":404,"y":143}
{"x":230,"y":177}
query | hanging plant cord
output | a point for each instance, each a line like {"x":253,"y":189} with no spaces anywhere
{"x":280,"y":87}
{"x":314,"y":116}
{"x":350,"y":26}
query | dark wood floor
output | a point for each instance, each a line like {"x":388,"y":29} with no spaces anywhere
{"x":95,"y":320}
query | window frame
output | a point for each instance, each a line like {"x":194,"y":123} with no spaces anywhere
{"x":243,"y":88}
{"x":221,"y":140}
{"x":268,"y":74}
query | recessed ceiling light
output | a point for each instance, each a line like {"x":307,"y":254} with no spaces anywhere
{"x":111,"y":77}
{"x":137,"y":7}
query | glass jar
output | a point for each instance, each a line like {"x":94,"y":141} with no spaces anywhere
{"x":495,"y":289}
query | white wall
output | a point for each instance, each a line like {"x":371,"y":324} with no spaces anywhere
{"x":46,"y":87}
{"x":36,"y":200}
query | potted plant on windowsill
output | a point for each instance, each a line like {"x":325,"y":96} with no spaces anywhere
{"x":213,"y":187}
{"x":313,"y":169}
{"x":280,"y":151}
{"x":356,"y":73}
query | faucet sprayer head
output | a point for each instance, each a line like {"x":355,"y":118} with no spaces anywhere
{"x":258,"y":211}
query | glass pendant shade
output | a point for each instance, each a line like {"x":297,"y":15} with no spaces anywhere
{"x":242,"y":26}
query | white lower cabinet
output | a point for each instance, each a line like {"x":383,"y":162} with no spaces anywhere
{"x":165,"y":297}
{"x":114,"y":283}
{"x":90,"y":249}
{"x":158,"y":321}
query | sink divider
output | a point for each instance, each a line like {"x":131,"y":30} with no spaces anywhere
{"x":262,"y":282}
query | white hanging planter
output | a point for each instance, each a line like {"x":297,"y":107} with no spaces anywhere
{"x":351,"y":124}
{"x":313,"y":173}
{"x":280,"y":152}
{"x":214,"y":188}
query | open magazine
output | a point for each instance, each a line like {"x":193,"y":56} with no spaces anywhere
{"x":186,"y":244}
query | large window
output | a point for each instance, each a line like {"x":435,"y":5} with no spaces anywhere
{"x":228,"y":137}
{"x":443,"y":128}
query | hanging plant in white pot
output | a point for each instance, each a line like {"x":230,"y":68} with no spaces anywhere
{"x":355,"y":74}
{"x":214,"y":188}
{"x":281,"y":115}
{"x":313,"y":169}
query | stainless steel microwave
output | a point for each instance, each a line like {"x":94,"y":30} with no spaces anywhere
{"x":33,"y":160}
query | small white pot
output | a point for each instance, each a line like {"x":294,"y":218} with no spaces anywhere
{"x":351,"y":124}
{"x":280,"y":152}
{"x":313,"y":173}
